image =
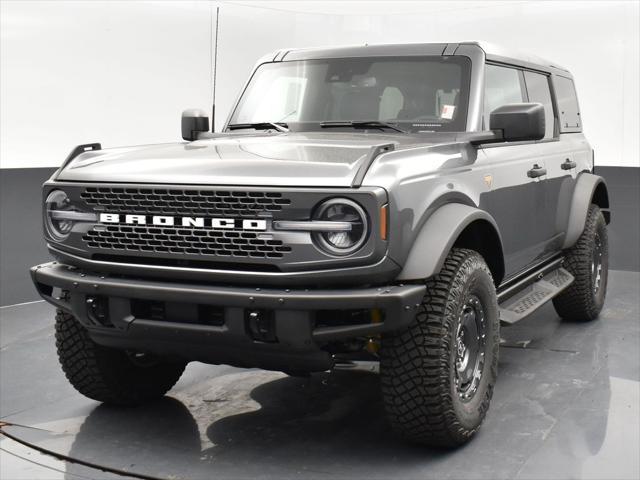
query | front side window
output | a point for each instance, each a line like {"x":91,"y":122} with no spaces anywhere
{"x":538,"y":92}
{"x":415,"y":94}
{"x":501,"y":86}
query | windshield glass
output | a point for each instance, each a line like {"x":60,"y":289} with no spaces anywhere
{"x":417,"y":94}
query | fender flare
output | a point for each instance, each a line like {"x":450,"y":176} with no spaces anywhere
{"x":583,"y":197}
{"x":437,"y":237}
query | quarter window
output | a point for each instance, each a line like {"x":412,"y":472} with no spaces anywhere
{"x":502,"y":86}
{"x":568,"y":109}
{"x":538,"y":92}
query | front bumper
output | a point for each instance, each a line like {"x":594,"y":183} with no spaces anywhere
{"x":296,"y":343}
{"x":384,"y":270}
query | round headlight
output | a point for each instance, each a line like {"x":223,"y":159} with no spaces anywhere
{"x":57,"y":228}
{"x":342,"y":242}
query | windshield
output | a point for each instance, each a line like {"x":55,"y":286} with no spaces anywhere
{"x":416,"y":94}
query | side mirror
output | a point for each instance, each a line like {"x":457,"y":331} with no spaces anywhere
{"x":519,"y":121}
{"x":194,"y":121}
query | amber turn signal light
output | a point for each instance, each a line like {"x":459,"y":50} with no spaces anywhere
{"x":384,"y":221}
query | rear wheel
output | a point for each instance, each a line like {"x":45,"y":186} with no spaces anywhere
{"x":109,"y":375}
{"x":588,"y":262}
{"x":438,"y":374}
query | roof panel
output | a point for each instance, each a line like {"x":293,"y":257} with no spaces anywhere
{"x":492,"y":51}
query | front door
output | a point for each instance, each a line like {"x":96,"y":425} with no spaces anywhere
{"x":518,"y":201}
{"x":520,"y":198}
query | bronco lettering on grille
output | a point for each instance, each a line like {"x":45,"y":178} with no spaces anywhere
{"x":163,"y":220}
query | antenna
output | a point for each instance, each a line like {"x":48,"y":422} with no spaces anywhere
{"x":215,"y":71}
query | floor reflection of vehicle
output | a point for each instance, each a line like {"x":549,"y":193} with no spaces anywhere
{"x":262,"y":423}
{"x":275,"y":423}
{"x":572,"y":387}
{"x":145,"y":440}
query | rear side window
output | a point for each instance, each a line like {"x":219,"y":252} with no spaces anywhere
{"x":502,"y":86}
{"x":568,"y":109}
{"x":539,"y":92}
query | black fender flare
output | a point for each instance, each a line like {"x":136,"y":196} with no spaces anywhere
{"x":438,"y":235}
{"x":585,"y":193}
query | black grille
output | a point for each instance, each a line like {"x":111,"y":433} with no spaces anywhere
{"x":185,"y":241}
{"x":184,"y":202}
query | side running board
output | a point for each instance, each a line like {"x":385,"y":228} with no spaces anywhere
{"x":534,"y":295}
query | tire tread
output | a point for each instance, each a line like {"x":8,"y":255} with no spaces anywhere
{"x":415,"y":362}
{"x":108,"y":375}
{"x":577,"y":302}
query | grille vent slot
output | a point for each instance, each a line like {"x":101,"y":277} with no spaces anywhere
{"x":185,"y":241}
{"x":160,"y":201}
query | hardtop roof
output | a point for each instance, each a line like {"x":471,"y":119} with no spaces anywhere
{"x":492,"y":52}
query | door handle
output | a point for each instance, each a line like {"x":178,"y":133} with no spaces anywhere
{"x":536,"y":171}
{"x":568,"y":165}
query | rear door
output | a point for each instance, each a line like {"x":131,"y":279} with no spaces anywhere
{"x":571,"y":148}
{"x":559,"y":163}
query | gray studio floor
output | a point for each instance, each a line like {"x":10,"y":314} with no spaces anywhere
{"x":566,"y":406}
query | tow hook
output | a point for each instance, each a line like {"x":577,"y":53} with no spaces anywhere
{"x":260,"y":325}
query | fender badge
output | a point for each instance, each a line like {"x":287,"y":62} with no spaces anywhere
{"x":488,"y":180}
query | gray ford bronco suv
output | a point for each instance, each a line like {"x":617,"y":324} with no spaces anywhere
{"x":395,"y":203}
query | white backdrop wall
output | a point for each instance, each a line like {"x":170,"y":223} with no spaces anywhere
{"x":120,"y":73}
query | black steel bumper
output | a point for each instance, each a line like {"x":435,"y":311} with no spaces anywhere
{"x":296,"y":343}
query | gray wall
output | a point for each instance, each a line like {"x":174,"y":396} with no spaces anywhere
{"x":21,"y":242}
{"x":624,"y":231}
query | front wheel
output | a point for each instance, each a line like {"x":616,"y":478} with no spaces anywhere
{"x":438,"y":374}
{"x":109,"y":375}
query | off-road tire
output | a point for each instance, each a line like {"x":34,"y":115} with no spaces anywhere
{"x":418,"y":364}
{"x":580,"y":302}
{"x":109,"y":375}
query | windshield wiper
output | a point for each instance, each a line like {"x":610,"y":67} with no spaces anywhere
{"x":281,"y":127}
{"x":361,"y":124}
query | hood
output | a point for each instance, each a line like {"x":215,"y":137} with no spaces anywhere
{"x":287,"y":159}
